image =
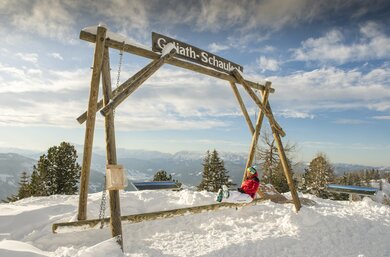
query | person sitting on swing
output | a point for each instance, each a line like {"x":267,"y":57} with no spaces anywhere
{"x":244,"y":194}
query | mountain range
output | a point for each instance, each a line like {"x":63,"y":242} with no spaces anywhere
{"x":140,"y":165}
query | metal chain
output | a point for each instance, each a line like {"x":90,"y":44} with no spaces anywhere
{"x":103,"y":205}
{"x":120,"y":65}
{"x":119,"y":68}
{"x":257,"y":92}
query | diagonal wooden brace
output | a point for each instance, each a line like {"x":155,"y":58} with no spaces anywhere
{"x":264,"y":108}
{"x":242,"y":106}
{"x":83,"y":117}
{"x":256,"y":133}
{"x":119,"y":98}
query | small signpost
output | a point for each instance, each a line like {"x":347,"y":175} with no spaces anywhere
{"x":194,"y":54}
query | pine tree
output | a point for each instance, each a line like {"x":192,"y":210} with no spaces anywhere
{"x":206,"y":177}
{"x":57,"y":172}
{"x":318,"y":175}
{"x":162,"y":175}
{"x":38,"y":176}
{"x":24,"y":186}
{"x":214,"y":173}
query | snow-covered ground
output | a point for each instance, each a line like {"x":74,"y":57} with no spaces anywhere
{"x":268,"y":229}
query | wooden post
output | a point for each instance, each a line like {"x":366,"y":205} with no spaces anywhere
{"x":115,"y":209}
{"x":286,"y":166}
{"x":287,"y":170}
{"x":90,"y":125}
{"x":255,"y":136}
{"x":243,"y":108}
{"x":133,"y":86}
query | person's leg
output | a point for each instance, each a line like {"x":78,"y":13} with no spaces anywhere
{"x":237,"y":197}
{"x":219,"y":195}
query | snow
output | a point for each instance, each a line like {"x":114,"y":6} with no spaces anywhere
{"x":167,"y":49}
{"x":329,"y":228}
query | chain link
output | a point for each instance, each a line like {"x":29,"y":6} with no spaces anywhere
{"x":103,"y":205}
{"x":119,"y":66}
{"x":118,"y":76}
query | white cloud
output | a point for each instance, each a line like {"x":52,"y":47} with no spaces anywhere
{"x":18,"y":80}
{"x":356,"y":146}
{"x":56,"y":56}
{"x":333,"y":48}
{"x":265,"y":15}
{"x":13,"y":72}
{"x":128,"y":17}
{"x":269,"y":49}
{"x":382,"y":117}
{"x":50,"y":19}
{"x":43,"y":113}
{"x":170,"y":99}
{"x":4,"y":51}
{"x":34,"y":72}
{"x":350,"y":122}
{"x":268,"y":64}
{"x":28,"y":57}
{"x":295,"y":114}
{"x":332,"y":88}
{"x":214,"y":47}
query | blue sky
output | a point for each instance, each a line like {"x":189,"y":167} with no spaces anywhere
{"x":327,"y":60}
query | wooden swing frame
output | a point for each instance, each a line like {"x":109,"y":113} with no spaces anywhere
{"x":112,"y":98}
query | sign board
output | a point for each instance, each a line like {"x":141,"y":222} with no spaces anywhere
{"x":193,"y":54}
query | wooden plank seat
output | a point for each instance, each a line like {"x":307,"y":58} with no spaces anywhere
{"x":156,"y":185}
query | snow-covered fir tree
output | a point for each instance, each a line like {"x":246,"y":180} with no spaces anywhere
{"x":162,"y":175}
{"x":24,"y":186}
{"x":319,"y":173}
{"x":56,"y":172}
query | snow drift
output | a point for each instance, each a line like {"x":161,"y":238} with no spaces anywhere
{"x":268,"y":229}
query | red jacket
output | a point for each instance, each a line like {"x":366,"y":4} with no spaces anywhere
{"x":250,"y":185}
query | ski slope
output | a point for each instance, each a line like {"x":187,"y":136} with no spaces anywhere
{"x":268,"y":229}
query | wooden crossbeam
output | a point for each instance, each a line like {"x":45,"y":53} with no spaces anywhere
{"x":140,"y":51}
{"x":119,"y":98}
{"x":237,"y":74}
{"x":136,"y":218}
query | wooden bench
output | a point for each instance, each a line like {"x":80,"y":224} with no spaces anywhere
{"x":353,"y":191}
{"x":156,"y":185}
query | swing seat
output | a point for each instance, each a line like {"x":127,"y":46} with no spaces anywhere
{"x":156,"y":185}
